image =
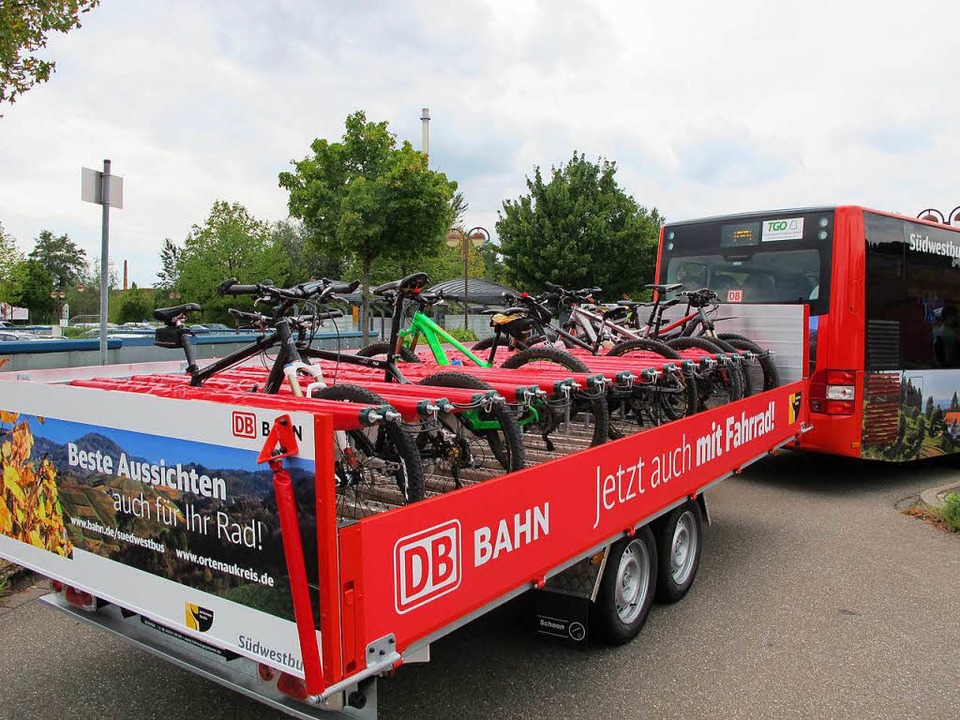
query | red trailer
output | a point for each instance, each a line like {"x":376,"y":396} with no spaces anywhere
{"x":204,"y":529}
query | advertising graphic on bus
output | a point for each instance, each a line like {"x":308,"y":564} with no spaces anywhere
{"x":884,"y":294}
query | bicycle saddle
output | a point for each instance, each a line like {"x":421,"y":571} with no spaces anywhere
{"x":410,"y":282}
{"x":504,"y":311}
{"x":168,"y":315}
{"x":616,"y":313}
{"x":664,"y":288}
{"x":630,"y":303}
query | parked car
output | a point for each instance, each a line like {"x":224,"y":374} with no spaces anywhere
{"x":219,"y":328}
{"x":7,"y":336}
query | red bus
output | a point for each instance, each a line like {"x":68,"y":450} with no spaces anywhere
{"x":884,"y":293}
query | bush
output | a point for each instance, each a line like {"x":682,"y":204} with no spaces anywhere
{"x":463,"y":334}
{"x":950,"y":511}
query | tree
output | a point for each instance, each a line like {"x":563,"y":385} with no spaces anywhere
{"x":24,"y":26}
{"x":169,"y":274}
{"x":62,"y":258}
{"x":135,"y":305}
{"x":365,"y":198}
{"x":9,"y":257}
{"x":579,"y":229}
{"x":231,"y":243}
{"x":31,"y":289}
{"x":294,"y":237}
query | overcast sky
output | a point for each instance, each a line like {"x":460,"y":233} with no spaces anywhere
{"x":706,"y":107}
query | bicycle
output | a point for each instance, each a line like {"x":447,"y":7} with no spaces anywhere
{"x":581,"y":413}
{"x":375,"y":465}
{"x":660,"y":395}
{"x":478,"y":441}
{"x":759,"y":369}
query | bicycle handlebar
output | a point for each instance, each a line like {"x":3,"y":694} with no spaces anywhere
{"x":304,"y":291}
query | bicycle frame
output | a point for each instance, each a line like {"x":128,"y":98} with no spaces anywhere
{"x":435,"y":336}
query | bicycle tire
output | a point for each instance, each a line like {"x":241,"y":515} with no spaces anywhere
{"x":591,"y":411}
{"x":771,"y":375}
{"x":648,"y":344}
{"x":748,"y":386}
{"x":465,"y":452}
{"x":487,"y":343}
{"x":382,"y":348}
{"x":675,"y":397}
{"x":722,"y":384}
{"x":384,"y":468}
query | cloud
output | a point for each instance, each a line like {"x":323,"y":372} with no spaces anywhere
{"x":705,"y":108}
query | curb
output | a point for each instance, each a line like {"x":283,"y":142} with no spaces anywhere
{"x":934,"y":496}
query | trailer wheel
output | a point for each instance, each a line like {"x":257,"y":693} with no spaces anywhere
{"x":679,"y":544}
{"x":627,"y":588}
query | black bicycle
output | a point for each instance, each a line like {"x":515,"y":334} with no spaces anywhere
{"x":375,"y":466}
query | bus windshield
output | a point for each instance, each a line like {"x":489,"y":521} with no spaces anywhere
{"x":773,"y":258}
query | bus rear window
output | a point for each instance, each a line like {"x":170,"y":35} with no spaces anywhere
{"x":754,"y":260}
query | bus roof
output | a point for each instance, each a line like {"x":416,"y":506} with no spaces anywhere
{"x":812,"y":209}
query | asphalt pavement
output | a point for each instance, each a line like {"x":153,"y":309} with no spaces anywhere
{"x":816,"y":598}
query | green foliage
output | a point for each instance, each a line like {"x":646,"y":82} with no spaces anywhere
{"x":169,"y":274}
{"x":462,"y":334}
{"x":24,"y":26}
{"x":31,"y":289}
{"x":135,"y":305}
{"x":365,"y":198}
{"x":293,"y":236}
{"x":578,"y":229}
{"x":10,"y":256}
{"x":949,"y":512}
{"x":231,"y":243}
{"x":61,"y":257}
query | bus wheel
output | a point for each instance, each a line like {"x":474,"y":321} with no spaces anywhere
{"x":626,"y":589}
{"x":679,"y":543}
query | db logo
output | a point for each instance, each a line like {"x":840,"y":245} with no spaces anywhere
{"x":734,"y":295}
{"x":426,"y":565}
{"x":244,"y":425}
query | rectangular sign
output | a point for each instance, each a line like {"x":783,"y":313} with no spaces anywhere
{"x":91,"y":188}
{"x":428,"y":564}
{"x":787,"y":229}
{"x":183,"y":531}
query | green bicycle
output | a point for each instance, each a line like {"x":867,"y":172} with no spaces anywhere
{"x":571,"y":416}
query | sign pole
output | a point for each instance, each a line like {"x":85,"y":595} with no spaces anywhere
{"x":104,"y":260}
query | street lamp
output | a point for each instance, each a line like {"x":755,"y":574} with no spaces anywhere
{"x":934,"y":215}
{"x":58,"y":296}
{"x":457,"y":238}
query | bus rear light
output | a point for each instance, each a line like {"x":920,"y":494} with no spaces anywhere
{"x":833,"y":392}
{"x":265,"y":672}
{"x":56,"y":586}
{"x":841,"y":377}
{"x":839,"y":407}
{"x":840,"y":392}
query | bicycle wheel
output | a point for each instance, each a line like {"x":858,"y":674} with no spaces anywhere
{"x":769,"y":375}
{"x":376,"y":467}
{"x":719,"y":385}
{"x":381,"y":349}
{"x":673,"y":396}
{"x":470,"y":446}
{"x":580,"y":422}
{"x":747,"y":387}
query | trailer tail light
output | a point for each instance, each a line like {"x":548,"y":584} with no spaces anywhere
{"x":81,"y":599}
{"x":833,"y":392}
{"x":265,"y":672}
{"x":292,"y":686}
{"x":56,"y":586}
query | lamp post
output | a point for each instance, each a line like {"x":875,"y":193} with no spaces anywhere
{"x":457,"y":238}
{"x":58,"y":296}
{"x":934,"y":215}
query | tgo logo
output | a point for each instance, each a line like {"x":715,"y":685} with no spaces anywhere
{"x":426,"y":565}
{"x":244,"y":424}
